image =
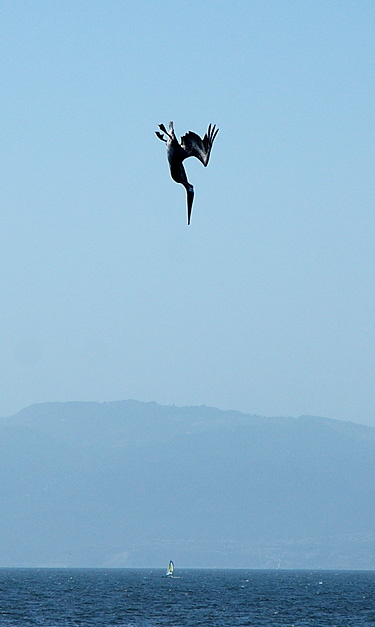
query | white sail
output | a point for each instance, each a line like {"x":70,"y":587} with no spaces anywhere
{"x":170,"y":569}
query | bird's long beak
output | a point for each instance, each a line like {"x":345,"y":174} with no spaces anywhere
{"x":190,"y":198}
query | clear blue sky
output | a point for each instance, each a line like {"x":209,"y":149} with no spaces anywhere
{"x":266,"y":303}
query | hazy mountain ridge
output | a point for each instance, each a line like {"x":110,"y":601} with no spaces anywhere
{"x":130,"y":483}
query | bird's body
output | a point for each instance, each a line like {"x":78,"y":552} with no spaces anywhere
{"x":191,"y":146}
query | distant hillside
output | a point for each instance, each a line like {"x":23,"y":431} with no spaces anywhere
{"x":135,"y":484}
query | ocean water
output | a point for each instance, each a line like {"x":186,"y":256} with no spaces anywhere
{"x":213,"y":598}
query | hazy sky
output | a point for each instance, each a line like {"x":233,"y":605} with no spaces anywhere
{"x":266,"y":303}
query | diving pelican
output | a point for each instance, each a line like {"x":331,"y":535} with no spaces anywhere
{"x":191,"y":146}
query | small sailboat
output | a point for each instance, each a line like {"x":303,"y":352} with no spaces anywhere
{"x":170,"y":569}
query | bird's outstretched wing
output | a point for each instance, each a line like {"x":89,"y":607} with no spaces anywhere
{"x":194,"y":146}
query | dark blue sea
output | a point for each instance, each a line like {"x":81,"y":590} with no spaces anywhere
{"x":216,"y":598}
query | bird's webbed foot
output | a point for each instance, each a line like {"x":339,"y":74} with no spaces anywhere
{"x":160,"y":136}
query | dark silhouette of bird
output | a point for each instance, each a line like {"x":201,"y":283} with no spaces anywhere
{"x":191,"y":146}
